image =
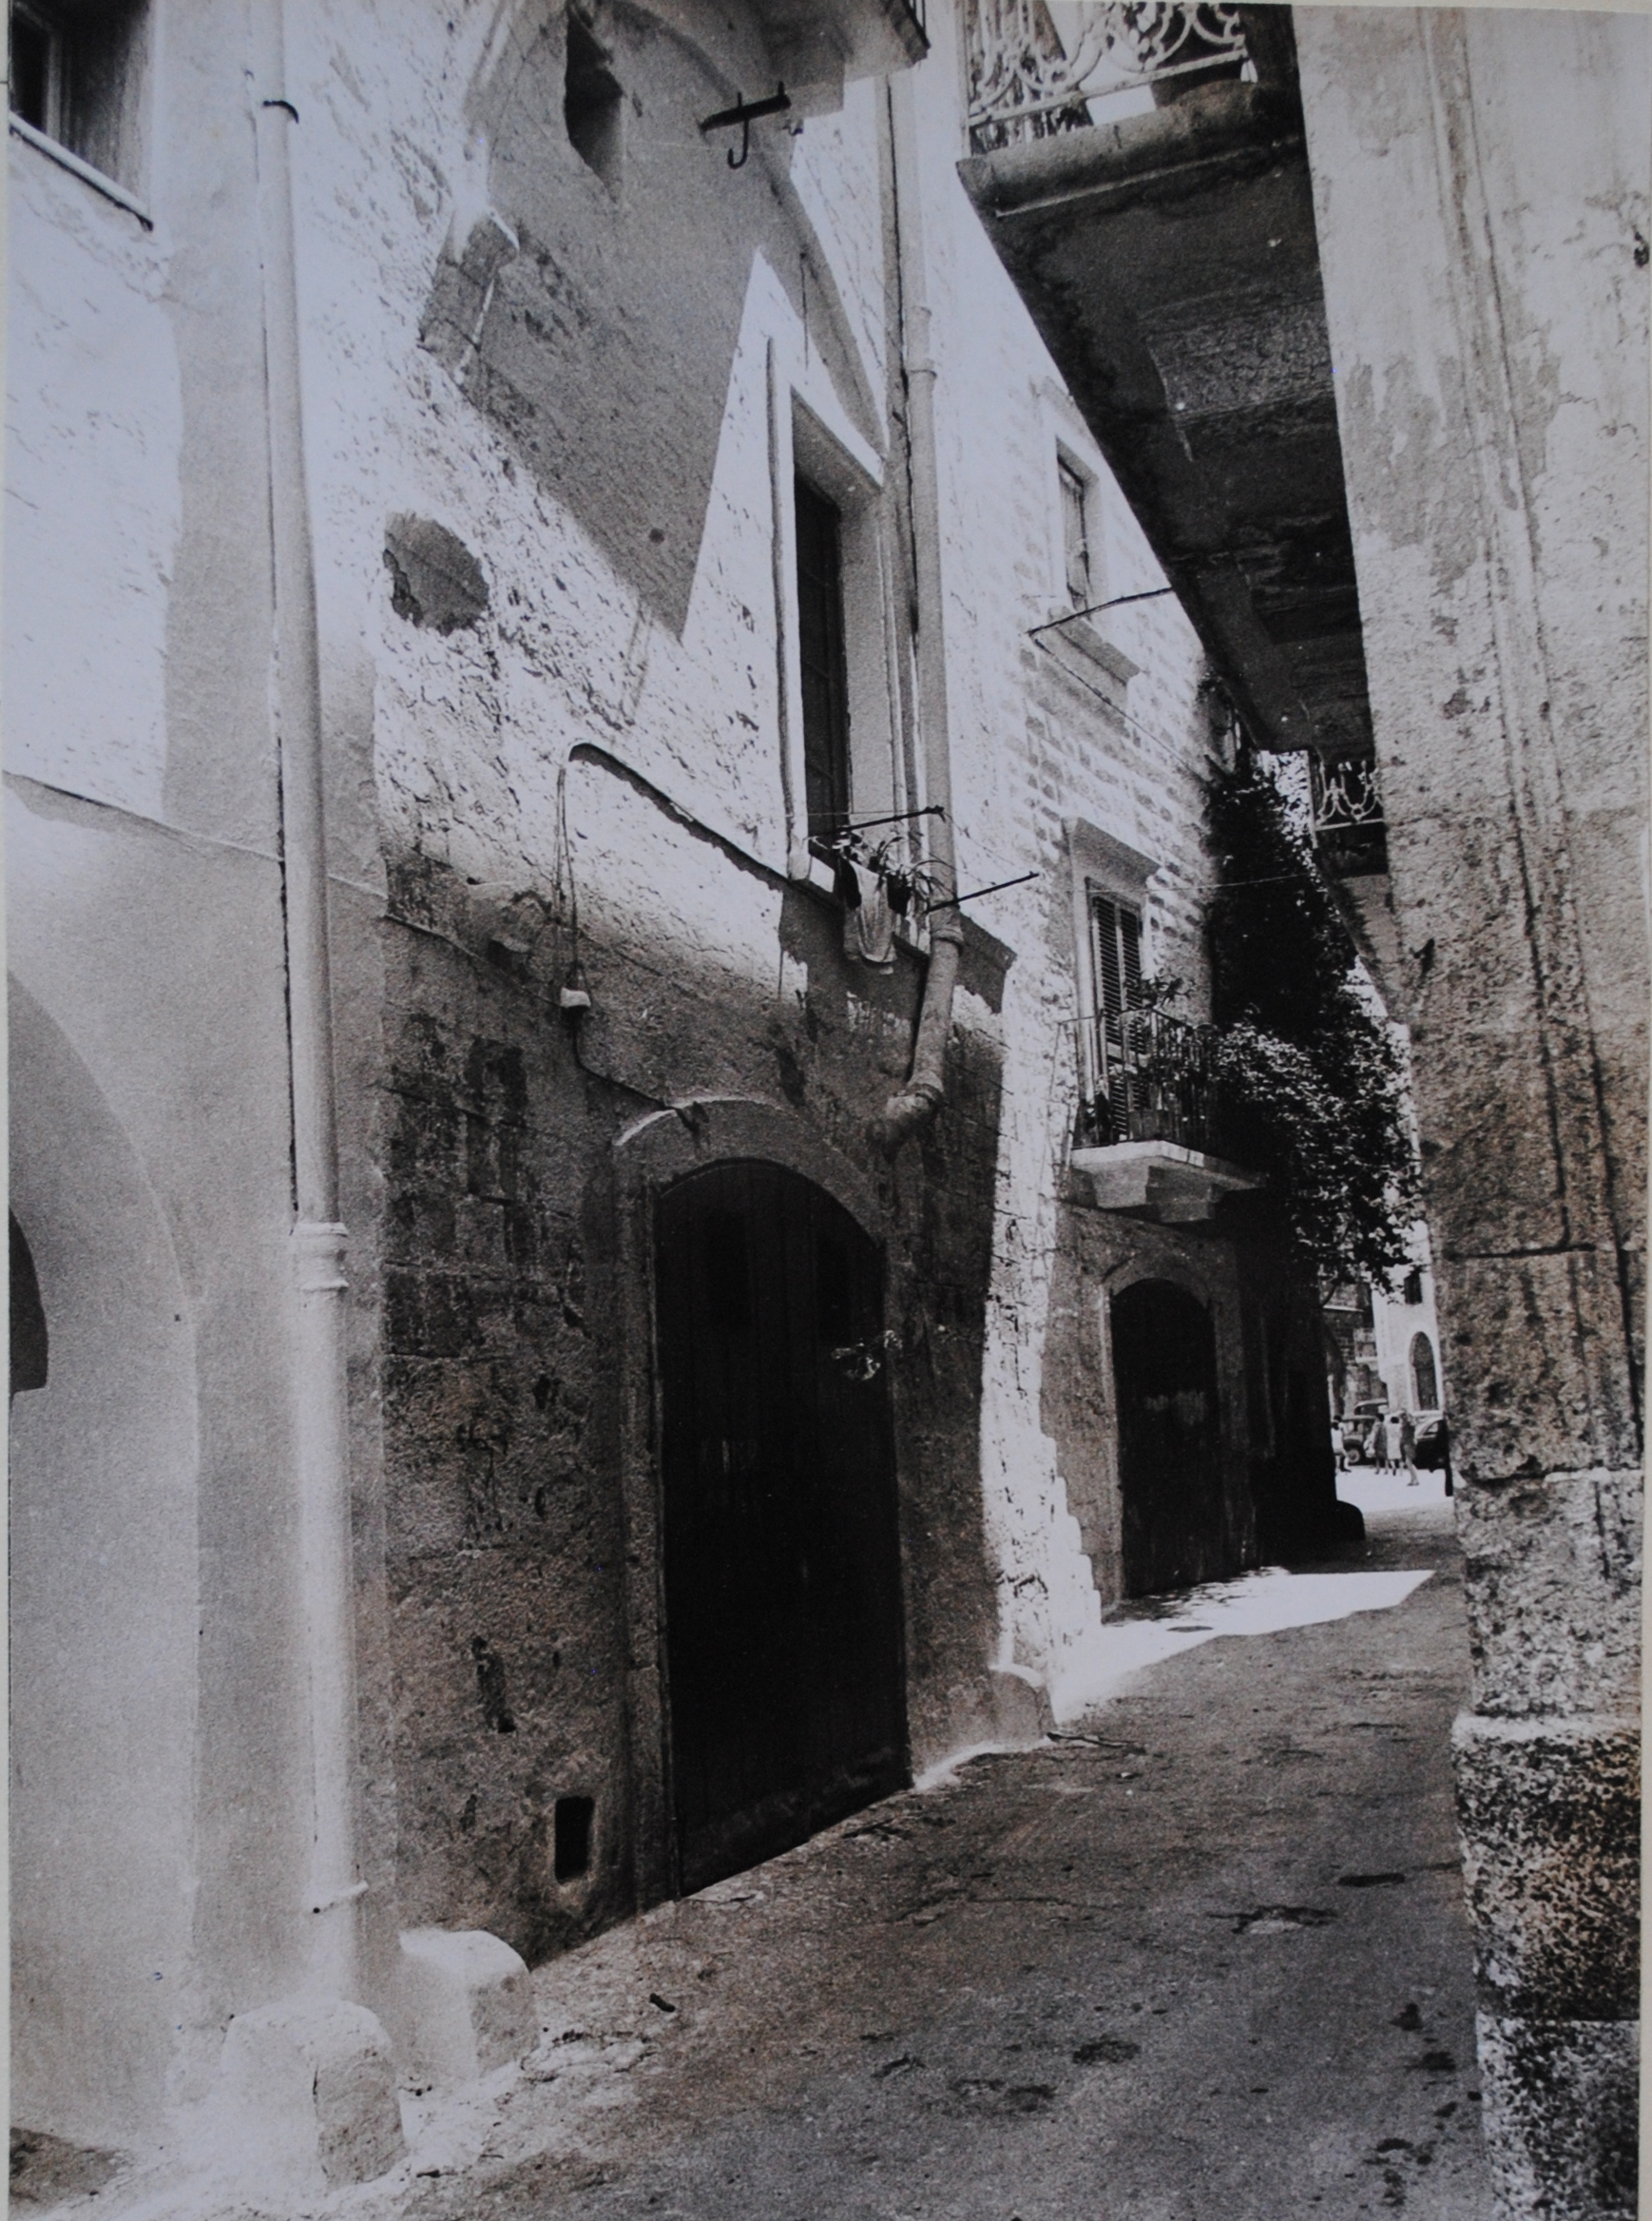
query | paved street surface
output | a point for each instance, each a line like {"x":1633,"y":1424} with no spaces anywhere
{"x":1207,"y":1960}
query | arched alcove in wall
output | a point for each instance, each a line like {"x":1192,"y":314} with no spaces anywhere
{"x":104,"y":1615}
{"x":1425,"y":1374}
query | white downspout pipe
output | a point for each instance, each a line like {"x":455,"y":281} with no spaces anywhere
{"x":925,"y":1088}
{"x":322,"y":1438}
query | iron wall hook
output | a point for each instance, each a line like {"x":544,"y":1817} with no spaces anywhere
{"x":745,"y":114}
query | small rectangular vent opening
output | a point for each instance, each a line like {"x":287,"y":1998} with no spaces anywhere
{"x":571,"y":1851}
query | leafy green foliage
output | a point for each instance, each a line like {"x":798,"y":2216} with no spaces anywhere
{"x":1314,"y":1086}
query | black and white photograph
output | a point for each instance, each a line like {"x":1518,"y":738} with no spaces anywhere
{"x":827,"y":939}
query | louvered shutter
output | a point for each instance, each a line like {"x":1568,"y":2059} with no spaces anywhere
{"x":1109,"y":978}
{"x":1131,"y":946}
{"x":1116,"y":939}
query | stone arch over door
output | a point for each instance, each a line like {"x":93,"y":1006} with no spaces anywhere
{"x":104,"y":1615}
{"x":650,"y":1159}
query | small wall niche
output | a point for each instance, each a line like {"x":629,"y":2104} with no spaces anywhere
{"x":592,"y":102}
{"x":571,"y":1837}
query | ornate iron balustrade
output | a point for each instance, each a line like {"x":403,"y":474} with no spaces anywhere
{"x":1349,"y":829}
{"x":1147,"y":1076}
{"x":1037,"y":67}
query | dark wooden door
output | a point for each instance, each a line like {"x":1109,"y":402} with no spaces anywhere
{"x":781,"y":1553}
{"x":1169,"y":1471}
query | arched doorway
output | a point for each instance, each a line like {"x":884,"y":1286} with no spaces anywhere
{"x":1424,"y":1373}
{"x":1169,"y":1471}
{"x":782,"y":1551}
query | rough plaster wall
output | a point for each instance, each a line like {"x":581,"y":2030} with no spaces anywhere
{"x":1034,"y":745}
{"x":145,"y":922}
{"x":94,"y":418}
{"x":634,"y":608}
{"x":1481,"y":205}
{"x":501,"y":1508}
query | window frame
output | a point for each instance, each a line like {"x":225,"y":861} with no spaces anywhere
{"x":51,"y":124}
{"x":1076,"y":494}
{"x":828,"y":758}
{"x":812,"y":438}
{"x":1116,"y":987}
{"x":103,"y":140}
{"x":1105,"y":868}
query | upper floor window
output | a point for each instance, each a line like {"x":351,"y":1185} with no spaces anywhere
{"x":76,"y":71}
{"x":1075,"y":494}
{"x":822,"y":661}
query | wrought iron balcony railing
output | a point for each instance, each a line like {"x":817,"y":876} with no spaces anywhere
{"x":1041,"y":67}
{"x":1147,"y":1076}
{"x":1349,"y":829}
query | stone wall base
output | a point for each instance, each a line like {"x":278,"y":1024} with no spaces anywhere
{"x":465,"y":2006}
{"x":305,"y":2100}
{"x":1560,"y":2106}
{"x":1550,"y":1817}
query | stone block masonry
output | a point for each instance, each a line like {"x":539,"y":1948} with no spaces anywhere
{"x":1484,"y":251}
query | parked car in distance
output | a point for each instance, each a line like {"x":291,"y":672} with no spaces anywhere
{"x":1357,"y":1432}
{"x":1434,"y":1450}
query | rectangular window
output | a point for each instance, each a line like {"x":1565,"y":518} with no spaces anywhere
{"x":75,"y":75}
{"x":822,"y":662}
{"x":1116,"y":953}
{"x":1075,"y":535}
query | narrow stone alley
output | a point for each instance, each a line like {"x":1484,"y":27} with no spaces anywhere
{"x":1204,"y":1959}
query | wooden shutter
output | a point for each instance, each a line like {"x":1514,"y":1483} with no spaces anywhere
{"x":1130,"y":948}
{"x":1116,"y":943}
{"x":1104,"y":940}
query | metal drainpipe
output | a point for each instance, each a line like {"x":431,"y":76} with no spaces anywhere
{"x":321,"y":1439}
{"x":925,"y":1088}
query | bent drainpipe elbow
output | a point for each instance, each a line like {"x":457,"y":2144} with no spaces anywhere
{"x":925,"y":1091}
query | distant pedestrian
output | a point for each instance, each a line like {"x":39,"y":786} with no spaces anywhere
{"x":1408,"y":1446}
{"x":1390,"y":1441}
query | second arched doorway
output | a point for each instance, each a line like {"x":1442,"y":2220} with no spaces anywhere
{"x":1169,"y":1437}
{"x":1425,"y":1374}
{"x":782,"y":1551}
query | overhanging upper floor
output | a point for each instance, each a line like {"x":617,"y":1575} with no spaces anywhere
{"x":1169,"y":259}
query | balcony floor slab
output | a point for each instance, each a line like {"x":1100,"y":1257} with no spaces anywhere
{"x":1159,"y":1179}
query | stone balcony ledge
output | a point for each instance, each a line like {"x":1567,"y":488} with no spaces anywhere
{"x":1159,"y":1179}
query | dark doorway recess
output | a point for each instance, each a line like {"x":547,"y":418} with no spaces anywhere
{"x":1169,"y":1470}
{"x":782,"y":1560}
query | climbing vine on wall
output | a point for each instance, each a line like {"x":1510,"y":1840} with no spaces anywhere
{"x":1313,"y":1084}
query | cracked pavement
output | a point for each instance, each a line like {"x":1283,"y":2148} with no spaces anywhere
{"x":1204,"y":1959}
